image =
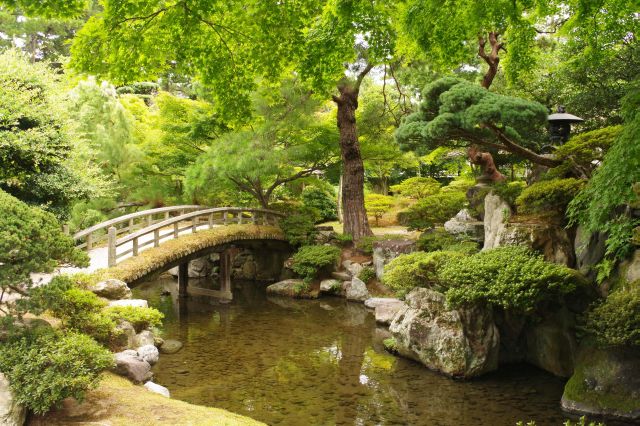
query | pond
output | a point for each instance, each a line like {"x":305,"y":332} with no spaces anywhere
{"x":321,"y":362}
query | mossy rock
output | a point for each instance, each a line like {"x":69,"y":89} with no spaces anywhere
{"x":605,"y":382}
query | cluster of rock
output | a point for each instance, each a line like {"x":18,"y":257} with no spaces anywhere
{"x":11,"y":412}
{"x":142,"y":350}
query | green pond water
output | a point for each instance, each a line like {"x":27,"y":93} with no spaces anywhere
{"x":321,"y":362}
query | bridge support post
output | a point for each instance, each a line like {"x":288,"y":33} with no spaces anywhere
{"x":226,"y":264}
{"x":111,"y":256}
{"x":183,"y":279}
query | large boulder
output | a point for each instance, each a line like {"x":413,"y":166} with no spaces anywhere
{"x":463,"y":224}
{"x":589,"y":250}
{"x":356,"y":290}
{"x":126,"y":334}
{"x":149,"y":353}
{"x":112,"y":289}
{"x":605,"y":382}
{"x":387,"y":250}
{"x":11,"y":413}
{"x":144,"y":338}
{"x":292,"y":288}
{"x":132,"y":366}
{"x":385,"y":308}
{"x":460,"y":342}
{"x":553,"y":241}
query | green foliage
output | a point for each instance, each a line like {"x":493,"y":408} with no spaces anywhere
{"x":377,"y":205}
{"x":322,"y":201}
{"x":418,"y":269}
{"x":509,"y":191}
{"x":548,"y":196}
{"x":344,"y":239}
{"x":47,"y":8}
{"x":46,"y":369}
{"x":417,"y":187}
{"x":435,"y":239}
{"x":31,"y":240}
{"x":367,"y":274}
{"x":512,"y":277}
{"x":616,"y":320}
{"x":299,"y":226}
{"x":390,"y":344}
{"x":310,"y":260}
{"x":597,"y":206}
{"x":584,"y":151}
{"x":433,"y":210}
{"x":140,"y":318}
{"x":35,"y":144}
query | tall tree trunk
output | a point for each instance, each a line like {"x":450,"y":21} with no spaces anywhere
{"x":355,"y":222}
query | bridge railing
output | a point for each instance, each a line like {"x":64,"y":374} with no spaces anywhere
{"x":97,"y":234}
{"x":172,"y":227}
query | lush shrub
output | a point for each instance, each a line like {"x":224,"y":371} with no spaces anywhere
{"x":435,"y":239}
{"x":509,"y":191}
{"x":512,"y":277}
{"x":322,"y":201}
{"x":433,"y":210}
{"x":46,"y":369}
{"x":367,"y":274}
{"x":548,"y":196}
{"x":377,"y":205}
{"x":584,"y":151}
{"x":418,"y":269}
{"x":417,"y":187}
{"x":310,"y":260}
{"x":140,"y":318}
{"x":344,"y":239}
{"x":299,"y":226}
{"x":464,"y":247}
{"x":616,"y":320}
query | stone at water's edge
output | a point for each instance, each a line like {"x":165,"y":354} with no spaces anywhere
{"x":457,"y":342}
{"x":11,"y":413}
{"x":605,"y":382}
{"x":132,"y":367}
{"x":170,"y":346}
{"x":138,"y":303}
{"x":112,"y":289}
{"x":387,"y":250}
{"x":330,"y":286}
{"x":292,"y":288}
{"x":356,"y":290}
{"x":341,"y":276}
{"x":385,"y":308}
{"x":144,"y":338}
{"x":154,"y":387}
{"x":149,"y":353}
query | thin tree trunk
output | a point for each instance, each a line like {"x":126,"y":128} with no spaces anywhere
{"x":355,"y":222}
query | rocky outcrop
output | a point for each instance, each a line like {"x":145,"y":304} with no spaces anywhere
{"x":463,"y":224}
{"x":353,"y":268}
{"x":457,"y":342}
{"x":630,"y":268}
{"x":605,"y":382}
{"x":130,"y":365}
{"x":387,"y":250}
{"x":292,"y":288}
{"x":11,"y":413}
{"x":356,"y":290}
{"x":330,"y":286}
{"x":553,"y":241}
{"x":589,"y":250}
{"x":112,"y":289}
{"x":126,"y":334}
{"x":385,"y":308}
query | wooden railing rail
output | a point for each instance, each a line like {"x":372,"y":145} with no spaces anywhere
{"x":88,"y":238}
{"x":172,"y":227}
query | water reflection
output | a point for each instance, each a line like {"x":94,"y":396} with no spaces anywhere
{"x":289,"y":362}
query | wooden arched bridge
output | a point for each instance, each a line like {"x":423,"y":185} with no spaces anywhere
{"x":137,"y":245}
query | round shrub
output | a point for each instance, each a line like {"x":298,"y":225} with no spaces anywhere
{"x":140,"y":318}
{"x":367,"y":274}
{"x":417,"y":187}
{"x":299,"y":226}
{"x":322,"y":201}
{"x":418,"y":269}
{"x":310,"y":260}
{"x":616,"y":320}
{"x":435,"y":239}
{"x":377,"y":205}
{"x":433,"y":210}
{"x":548,"y":196}
{"x":45,"y":370}
{"x":512,"y":277}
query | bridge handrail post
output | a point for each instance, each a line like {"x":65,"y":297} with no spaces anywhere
{"x":135,"y":247}
{"x":112,"y":246}
{"x":89,"y":242}
{"x":176,"y":229}
{"x":210,"y":219}
{"x":253,"y":217}
{"x":225,"y":218}
{"x":240,"y":217}
{"x":194,"y":224}
{"x":156,"y":238}
{"x":65,"y":229}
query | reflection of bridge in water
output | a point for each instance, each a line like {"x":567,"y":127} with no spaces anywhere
{"x":143,"y":244}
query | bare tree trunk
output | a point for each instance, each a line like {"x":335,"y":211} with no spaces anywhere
{"x":340,"y":219}
{"x":355,"y":222}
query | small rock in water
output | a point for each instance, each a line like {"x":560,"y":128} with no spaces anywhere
{"x":170,"y":346}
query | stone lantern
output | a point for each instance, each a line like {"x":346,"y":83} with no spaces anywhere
{"x":560,"y":125}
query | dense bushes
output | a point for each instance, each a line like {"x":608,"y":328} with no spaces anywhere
{"x":581,"y":154}
{"x":299,"y":226}
{"x":140,"y":318}
{"x":418,"y":269}
{"x":548,"y":196}
{"x":417,"y":187}
{"x":512,"y":277}
{"x":616,"y":320}
{"x":322,"y":201}
{"x":439,"y":239}
{"x":433,"y":210}
{"x":377,"y":205}
{"x":45,"y":369}
{"x":310,"y":260}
